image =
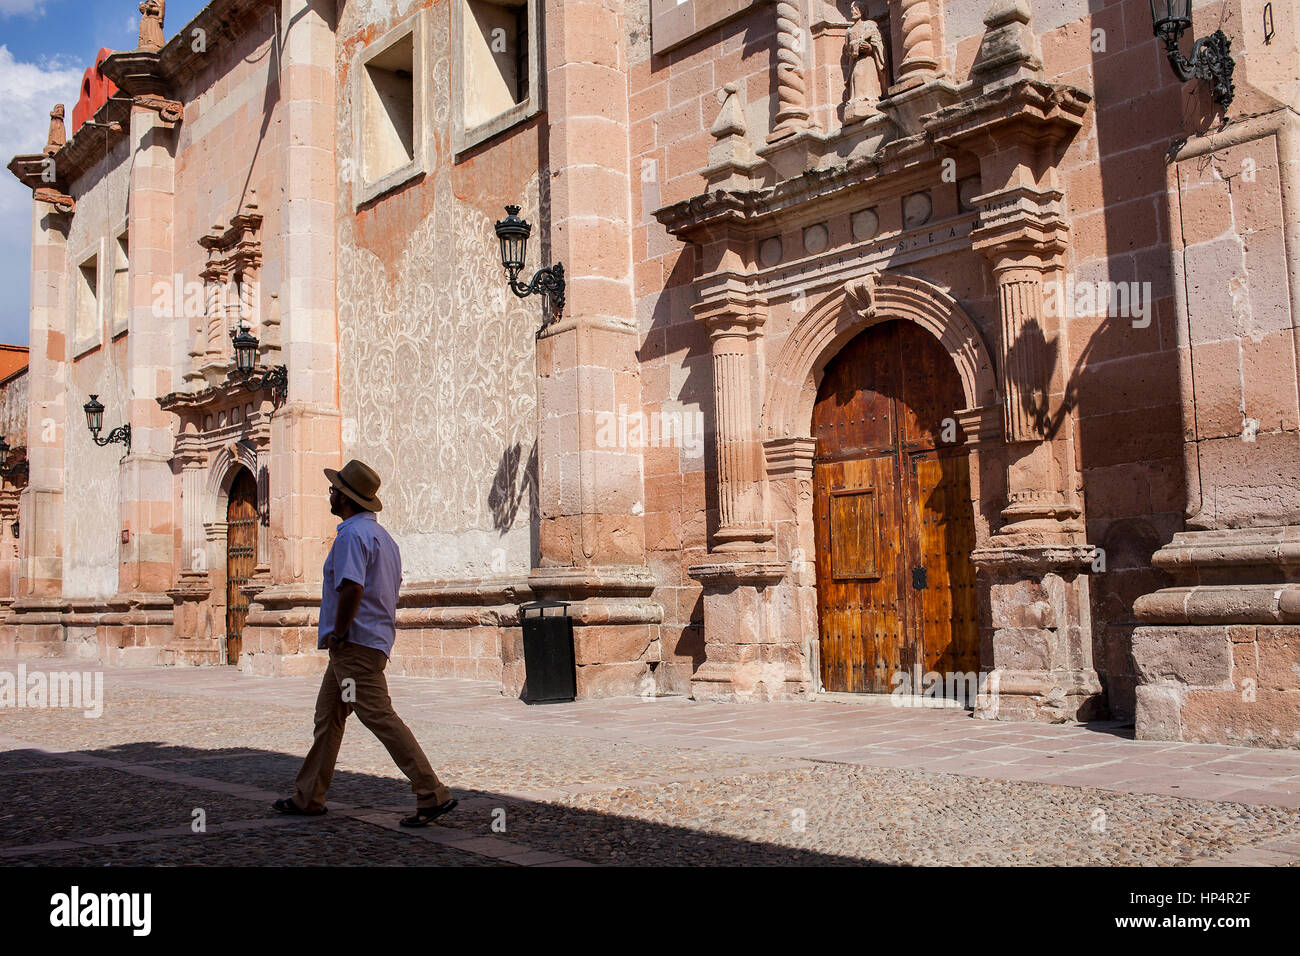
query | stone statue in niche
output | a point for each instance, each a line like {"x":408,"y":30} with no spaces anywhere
{"x":867,"y":79}
{"x":151,"y":25}
{"x":58,"y":133}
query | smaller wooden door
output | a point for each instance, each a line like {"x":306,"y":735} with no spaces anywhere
{"x":241,"y":557}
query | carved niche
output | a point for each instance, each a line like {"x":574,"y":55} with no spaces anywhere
{"x":231,"y":291}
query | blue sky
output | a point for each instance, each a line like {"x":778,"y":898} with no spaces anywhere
{"x":45,"y":46}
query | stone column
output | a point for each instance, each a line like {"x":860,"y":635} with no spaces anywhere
{"x":792,"y":113}
{"x":214,"y":322}
{"x":733,"y":327}
{"x":921,"y":85}
{"x":591,"y":495}
{"x":918,"y":27}
{"x":35,"y":627}
{"x":140,"y":621}
{"x":749,"y":655}
{"x":1024,"y":373}
{"x":1035,"y":567}
{"x":1033,"y":570}
{"x":195,"y":558}
{"x":305,"y":432}
{"x":1039,"y":507}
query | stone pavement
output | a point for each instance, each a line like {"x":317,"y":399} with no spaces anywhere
{"x":620,"y":781}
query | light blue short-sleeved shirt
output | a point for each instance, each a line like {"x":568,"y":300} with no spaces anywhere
{"x":367,"y":554}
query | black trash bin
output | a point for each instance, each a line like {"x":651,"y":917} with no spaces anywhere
{"x":551,"y":676}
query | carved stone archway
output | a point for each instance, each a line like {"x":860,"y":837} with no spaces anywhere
{"x":221,"y":471}
{"x":847,"y":311}
{"x":817,"y":338}
{"x":221,"y":432}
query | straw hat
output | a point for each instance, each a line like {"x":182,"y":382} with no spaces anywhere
{"x":359,"y":482}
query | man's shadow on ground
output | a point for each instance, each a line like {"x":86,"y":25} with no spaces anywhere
{"x":51,"y":798}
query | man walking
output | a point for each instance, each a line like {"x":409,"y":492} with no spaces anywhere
{"x":358,"y":614}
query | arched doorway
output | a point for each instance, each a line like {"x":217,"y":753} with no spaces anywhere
{"x":893,"y":517}
{"x":241,"y":556}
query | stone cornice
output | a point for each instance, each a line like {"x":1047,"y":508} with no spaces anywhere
{"x":155,"y":81}
{"x":473,"y":592}
{"x":178,"y":63}
{"x":242,"y":226}
{"x":87,"y":147}
{"x":1030,"y":110}
{"x":209,"y":399}
{"x":137,"y":73}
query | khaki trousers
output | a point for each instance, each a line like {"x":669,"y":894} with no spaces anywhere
{"x":365,"y":667}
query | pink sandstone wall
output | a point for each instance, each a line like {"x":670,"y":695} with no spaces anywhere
{"x":423,"y":304}
{"x":1117,"y":376}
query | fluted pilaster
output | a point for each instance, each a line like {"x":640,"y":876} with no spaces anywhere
{"x":732,"y":329}
{"x":1025,"y":374}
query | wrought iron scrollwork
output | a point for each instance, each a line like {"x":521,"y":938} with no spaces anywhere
{"x":1211,"y":61}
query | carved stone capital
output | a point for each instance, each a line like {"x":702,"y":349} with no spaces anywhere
{"x":982,"y":425}
{"x":1021,"y":226}
{"x":732,"y":315}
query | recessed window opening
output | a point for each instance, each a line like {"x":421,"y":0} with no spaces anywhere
{"x":88,"y":299}
{"x":121,"y":292}
{"x":389,"y":129}
{"x":496,"y":58}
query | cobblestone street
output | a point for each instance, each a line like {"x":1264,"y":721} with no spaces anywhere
{"x":624,"y":781}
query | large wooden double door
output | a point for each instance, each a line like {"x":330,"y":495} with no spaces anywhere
{"x":241,"y":557}
{"x":894,"y":522}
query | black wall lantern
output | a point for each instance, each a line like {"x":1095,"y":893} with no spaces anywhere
{"x":275,"y":378}
{"x":95,"y":422}
{"x":1211,"y":58}
{"x":4,"y":452}
{"x":513,"y":233}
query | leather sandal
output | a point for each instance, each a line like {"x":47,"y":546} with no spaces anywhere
{"x":291,"y":809}
{"x":426,"y":815}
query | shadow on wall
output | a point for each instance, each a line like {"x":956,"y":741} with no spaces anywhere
{"x":1125,"y":384}
{"x":514,"y":479}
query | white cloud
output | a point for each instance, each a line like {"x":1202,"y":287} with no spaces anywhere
{"x":25,"y":8}
{"x":31,"y":89}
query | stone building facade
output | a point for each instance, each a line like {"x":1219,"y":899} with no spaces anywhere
{"x":13,"y":464}
{"x":905,"y":345}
